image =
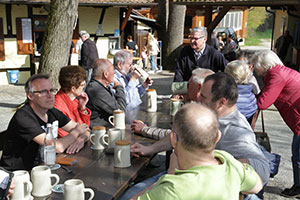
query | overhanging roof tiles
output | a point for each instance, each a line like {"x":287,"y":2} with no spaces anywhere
{"x":238,"y":2}
{"x":89,"y":2}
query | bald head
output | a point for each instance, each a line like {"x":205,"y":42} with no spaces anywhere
{"x":196,"y":127}
{"x":103,"y":71}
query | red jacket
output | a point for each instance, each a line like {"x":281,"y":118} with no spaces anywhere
{"x":282,"y":87}
{"x":70,"y":109}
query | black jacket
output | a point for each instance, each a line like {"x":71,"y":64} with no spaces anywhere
{"x":89,"y":54}
{"x":211,"y":59}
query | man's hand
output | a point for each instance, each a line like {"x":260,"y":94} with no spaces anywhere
{"x":82,"y":101}
{"x":82,"y":128}
{"x":148,"y":82}
{"x":138,"y":150}
{"x":76,"y":146}
{"x":137,"y":126}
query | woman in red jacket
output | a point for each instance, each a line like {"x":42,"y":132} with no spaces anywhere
{"x":281,"y":88}
{"x":71,"y":98}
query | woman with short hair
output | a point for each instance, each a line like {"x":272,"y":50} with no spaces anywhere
{"x":281,"y":88}
{"x":71,"y":98}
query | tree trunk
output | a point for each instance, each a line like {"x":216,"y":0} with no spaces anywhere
{"x":175,"y":34}
{"x":163,"y":17}
{"x":58,"y":37}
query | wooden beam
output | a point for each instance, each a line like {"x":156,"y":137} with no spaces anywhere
{"x":208,"y":15}
{"x":218,"y":18}
{"x":100,"y":21}
{"x":126,"y":18}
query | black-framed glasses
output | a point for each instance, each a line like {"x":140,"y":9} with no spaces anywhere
{"x":195,"y":38}
{"x":43,"y":93}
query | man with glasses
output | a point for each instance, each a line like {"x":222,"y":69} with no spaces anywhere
{"x":198,"y":55}
{"x":128,"y":77}
{"x":26,"y":130}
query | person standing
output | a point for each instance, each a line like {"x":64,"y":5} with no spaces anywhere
{"x":153,"y":49}
{"x":281,"y":88}
{"x":89,"y":54}
{"x":283,"y":45}
{"x":198,"y":55}
{"x":131,"y":45}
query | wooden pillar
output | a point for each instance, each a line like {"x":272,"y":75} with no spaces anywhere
{"x":208,"y":19}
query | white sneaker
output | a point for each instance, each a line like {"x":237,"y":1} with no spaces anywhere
{"x":151,"y":72}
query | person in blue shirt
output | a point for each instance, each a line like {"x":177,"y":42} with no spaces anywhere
{"x":129,"y":78}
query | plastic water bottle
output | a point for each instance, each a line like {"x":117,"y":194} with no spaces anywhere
{"x":49,"y":148}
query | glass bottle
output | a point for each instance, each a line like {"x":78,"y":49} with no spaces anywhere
{"x":49,"y":148}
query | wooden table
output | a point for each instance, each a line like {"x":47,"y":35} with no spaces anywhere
{"x":95,"y":167}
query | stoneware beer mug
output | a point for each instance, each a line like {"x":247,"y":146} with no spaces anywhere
{"x":23,"y":186}
{"x":41,"y":180}
{"x":113,"y":134}
{"x":175,"y":105}
{"x":151,"y":100}
{"x":144,"y":74}
{"x":96,"y":137}
{"x":118,"y":119}
{"x":74,"y":190}
{"x":179,"y":87}
{"x":122,"y":154}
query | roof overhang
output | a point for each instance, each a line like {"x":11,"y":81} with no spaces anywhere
{"x":123,"y":3}
{"x":145,"y":20}
{"x":238,"y":2}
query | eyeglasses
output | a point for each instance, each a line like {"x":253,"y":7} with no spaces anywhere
{"x":194,"y":38}
{"x":43,"y":93}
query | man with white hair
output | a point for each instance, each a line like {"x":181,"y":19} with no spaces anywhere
{"x":102,"y":101}
{"x":198,"y":55}
{"x":129,"y":78}
{"x":88,"y":55}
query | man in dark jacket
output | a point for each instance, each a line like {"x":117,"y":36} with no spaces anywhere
{"x":102,"y":101}
{"x":89,"y":54}
{"x":198,"y":55}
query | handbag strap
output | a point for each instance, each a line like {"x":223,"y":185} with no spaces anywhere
{"x":262,"y":121}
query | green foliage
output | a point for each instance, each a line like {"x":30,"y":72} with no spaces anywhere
{"x":256,"y":16}
{"x":256,"y":39}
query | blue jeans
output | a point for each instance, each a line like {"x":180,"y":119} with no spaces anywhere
{"x":251,"y":197}
{"x":153,"y":63}
{"x":132,"y":191}
{"x":296,"y":159}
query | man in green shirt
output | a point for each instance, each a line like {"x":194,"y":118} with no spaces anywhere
{"x":214,"y":174}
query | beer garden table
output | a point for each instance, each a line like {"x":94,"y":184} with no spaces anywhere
{"x":95,"y":167}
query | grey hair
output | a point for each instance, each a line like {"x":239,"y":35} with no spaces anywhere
{"x":239,"y":70}
{"x":200,"y":74}
{"x":266,"y":59}
{"x":197,"y":127}
{"x":121,"y":56}
{"x":201,"y":29}
{"x":84,"y":33}
{"x":100,"y":66}
{"x":28,"y":84}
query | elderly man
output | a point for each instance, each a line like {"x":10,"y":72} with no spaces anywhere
{"x":219,"y":92}
{"x":26,"y":130}
{"x":88,"y":54}
{"x":195,"y":84}
{"x":201,"y":169}
{"x":198,"y":55}
{"x":128,"y":77}
{"x":102,"y":101}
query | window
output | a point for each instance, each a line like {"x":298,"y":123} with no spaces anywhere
{"x":24,"y":36}
{"x":233,"y":19}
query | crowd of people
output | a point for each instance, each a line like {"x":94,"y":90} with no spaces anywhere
{"x":214,"y":146}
